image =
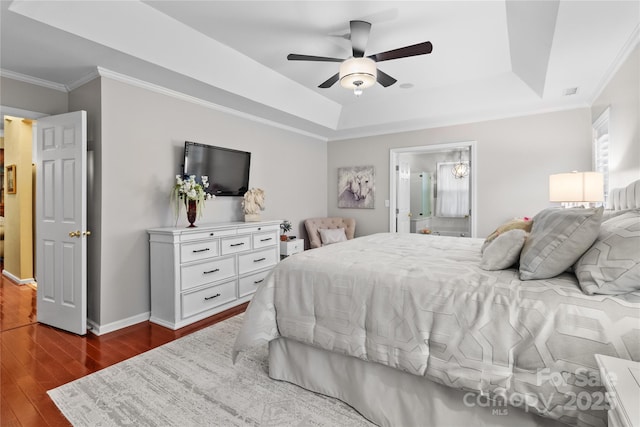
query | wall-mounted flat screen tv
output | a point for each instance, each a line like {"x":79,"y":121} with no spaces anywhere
{"x":227,"y":169}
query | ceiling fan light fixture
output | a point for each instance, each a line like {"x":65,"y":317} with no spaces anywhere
{"x":358,"y":74}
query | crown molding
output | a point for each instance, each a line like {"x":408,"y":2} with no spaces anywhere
{"x":113,"y":75}
{"x":83,"y":80}
{"x":103,"y":72}
{"x":622,"y":56}
{"x":33,"y":80}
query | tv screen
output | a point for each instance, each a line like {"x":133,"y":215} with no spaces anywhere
{"x":227,"y":169}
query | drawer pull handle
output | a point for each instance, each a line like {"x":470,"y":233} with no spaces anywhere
{"x":212,"y":234}
{"x":211,"y":271}
{"x":211,"y":297}
{"x":236,"y":244}
{"x":259,"y":259}
{"x":258,"y":281}
{"x":266,"y":240}
{"x":200,"y":250}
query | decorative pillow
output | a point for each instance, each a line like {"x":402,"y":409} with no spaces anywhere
{"x":332,"y":235}
{"x":612,"y":265}
{"x":514,"y":224}
{"x":558,"y":238}
{"x":504,"y":251}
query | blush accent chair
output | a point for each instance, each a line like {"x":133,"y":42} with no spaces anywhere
{"x":313,"y":225}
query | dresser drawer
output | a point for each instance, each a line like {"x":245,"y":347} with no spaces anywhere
{"x":258,"y":228}
{"x":208,"y":298}
{"x":263,"y":240}
{"x":199,"y":250}
{"x":257,"y":260}
{"x":235,"y":244}
{"x":208,"y":271}
{"x":200,"y":235}
{"x":248,"y":284}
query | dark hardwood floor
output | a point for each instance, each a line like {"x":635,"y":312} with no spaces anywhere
{"x":35,"y":358}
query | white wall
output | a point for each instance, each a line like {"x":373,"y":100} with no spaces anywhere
{"x":143,"y":136}
{"x":622,"y":94}
{"x":87,"y":97}
{"x":515,"y":157}
{"x":26,"y":96}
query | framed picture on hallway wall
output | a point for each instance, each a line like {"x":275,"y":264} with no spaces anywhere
{"x":11,"y":179}
{"x":356,"y":187}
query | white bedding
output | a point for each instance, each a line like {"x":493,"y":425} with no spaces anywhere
{"x":422,"y":304}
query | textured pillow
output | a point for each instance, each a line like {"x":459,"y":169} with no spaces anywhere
{"x":558,"y":238}
{"x":612,"y":265}
{"x":504,"y":251}
{"x":514,"y":224}
{"x":332,"y":235}
{"x":608,"y":214}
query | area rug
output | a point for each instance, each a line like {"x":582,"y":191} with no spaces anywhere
{"x":192,"y":382}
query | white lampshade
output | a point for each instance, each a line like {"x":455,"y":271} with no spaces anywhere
{"x":354,"y":70}
{"x":576,"y":187}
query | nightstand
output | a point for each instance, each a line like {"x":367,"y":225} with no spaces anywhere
{"x":621,"y":378}
{"x":291,"y":247}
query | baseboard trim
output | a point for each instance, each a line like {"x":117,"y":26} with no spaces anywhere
{"x":17,"y":280}
{"x":98,"y":329}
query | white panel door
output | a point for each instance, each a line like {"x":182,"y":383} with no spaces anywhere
{"x":404,"y":198}
{"x":61,"y":221}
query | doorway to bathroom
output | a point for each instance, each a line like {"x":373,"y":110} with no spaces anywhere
{"x":433,"y":189}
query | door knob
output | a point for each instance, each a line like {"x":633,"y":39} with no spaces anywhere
{"x":86,"y":233}
{"x":74,"y":233}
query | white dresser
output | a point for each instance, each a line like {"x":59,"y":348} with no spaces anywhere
{"x":198,"y":272}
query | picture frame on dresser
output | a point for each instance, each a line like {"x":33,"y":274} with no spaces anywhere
{"x":11,"y":179}
{"x":196,"y":273}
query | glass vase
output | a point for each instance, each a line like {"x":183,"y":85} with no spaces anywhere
{"x":192,"y":210}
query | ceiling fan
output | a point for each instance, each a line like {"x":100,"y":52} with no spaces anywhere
{"x":359,"y":72}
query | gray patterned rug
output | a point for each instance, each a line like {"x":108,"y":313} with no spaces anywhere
{"x":191,"y":382}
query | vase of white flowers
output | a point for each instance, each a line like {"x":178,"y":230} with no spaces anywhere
{"x":193,"y":194}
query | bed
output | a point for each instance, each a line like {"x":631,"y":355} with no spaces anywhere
{"x":410,"y":330}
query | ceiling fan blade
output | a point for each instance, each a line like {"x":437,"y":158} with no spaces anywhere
{"x":330,"y":81}
{"x":296,"y":57}
{"x":385,"y":79}
{"x":404,"y":52}
{"x":359,"y":37}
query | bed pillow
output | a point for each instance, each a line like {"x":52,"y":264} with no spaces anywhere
{"x":612,"y":265}
{"x":557,"y":240}
{"x":514,"y":224}
{"x":608,"y":214}
{"x":332,"y":235}
{"x":504,"y":251}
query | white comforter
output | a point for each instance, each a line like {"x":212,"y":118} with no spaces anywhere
{"x":421,"y":304}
